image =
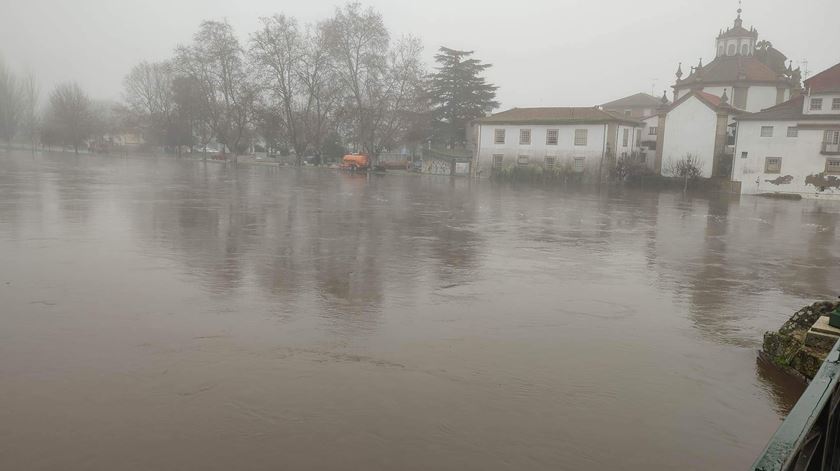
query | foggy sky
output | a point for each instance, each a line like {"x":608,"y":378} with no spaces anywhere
{"x":544,"y":52}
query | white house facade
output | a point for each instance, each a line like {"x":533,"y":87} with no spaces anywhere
{"x":579,"y":140}
{"x":793,"y":148}
{"x":697,"y":125}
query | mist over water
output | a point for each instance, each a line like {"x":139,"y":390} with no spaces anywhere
{"x":165,"y":314}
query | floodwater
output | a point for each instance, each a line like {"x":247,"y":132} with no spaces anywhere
{"x":158,"y":314}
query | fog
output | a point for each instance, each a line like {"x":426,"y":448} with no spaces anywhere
{"x":544,"y":53}
{"x":435,"y":234}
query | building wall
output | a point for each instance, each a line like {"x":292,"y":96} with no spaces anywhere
{"x":648,"y":141}
{"x":690,"y":129}
{"x":760,"y":97}
{"x":801,"y":159}
{"x":565,"y":151}
{"x":636,"y":112}
{"x":827,"y":99}
{"x":723,"y":46}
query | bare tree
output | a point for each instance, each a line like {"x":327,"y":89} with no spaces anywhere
{"x":11,"y":104}
{"x":31,"y":121}
{"x":689,"y":167}
{"x":277,"y":51}
{"x":323,"y":90}
{"x":191,"y":120}
{"x":149,"y":93}
{"x":70,"y":119}
{"x":295,"y":64}
{"x":215,"y":62}
{"x":383,"y":85}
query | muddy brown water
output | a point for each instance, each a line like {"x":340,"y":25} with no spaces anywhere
{"x":170,"y":315}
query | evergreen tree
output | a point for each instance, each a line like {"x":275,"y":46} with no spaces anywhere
{"x":459,"y":94}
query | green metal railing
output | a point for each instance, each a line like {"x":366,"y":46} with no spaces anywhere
{"x":809,"y":438}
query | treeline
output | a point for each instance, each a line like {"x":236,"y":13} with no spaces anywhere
{"x":314,"y":90}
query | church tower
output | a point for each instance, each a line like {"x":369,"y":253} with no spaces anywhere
{"x":737,"y":40}
{"x":753,"y":74}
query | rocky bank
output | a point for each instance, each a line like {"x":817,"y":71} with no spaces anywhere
{"x":787,"y":347}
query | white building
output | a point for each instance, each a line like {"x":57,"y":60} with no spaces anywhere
{"x":638,"y":106}
{"x":583,"y":140}
{"x":794,"y":147}
{"x":698,"y":124}
{"x":752,"y":72}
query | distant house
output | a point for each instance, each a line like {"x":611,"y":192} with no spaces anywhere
{"x":583,"y":140}
{"x":793,"y":147}
{"x":638,"y":106}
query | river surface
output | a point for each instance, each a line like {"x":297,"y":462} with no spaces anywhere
{"x":158,"y":314}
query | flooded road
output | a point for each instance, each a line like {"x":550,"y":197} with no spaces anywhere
{"x":169,"y":315}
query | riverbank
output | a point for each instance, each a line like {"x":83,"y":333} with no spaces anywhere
{"x":803,"y":342}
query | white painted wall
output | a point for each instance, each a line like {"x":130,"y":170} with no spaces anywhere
{"x":760,"y":97}
{"x":800,"y":155}
{"x":565,"y":151}
{"x":827,"y":98}
{"x":690,"y":128}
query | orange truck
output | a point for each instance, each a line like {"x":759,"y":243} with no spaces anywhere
{"x":355,"y":162}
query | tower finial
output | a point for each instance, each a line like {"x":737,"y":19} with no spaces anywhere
{"x":738,"y":20}
{"x":679,"y":71}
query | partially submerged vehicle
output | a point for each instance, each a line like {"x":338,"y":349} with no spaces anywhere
{"x":355,"y":162}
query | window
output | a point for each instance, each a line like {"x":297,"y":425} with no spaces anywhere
{"x":551,"y":137}
{"x":652,"y":131}
{"x":720,"y":50}
{"x":773,"y":165}
{"x":643,"y":157}
{"x":497,"y":160}
{"x":835,"y":104}
{"x":525,"y":137}
{"x":731,"y":50}
{"x":832,"y":166}
{"x":792,"y":131}
{"x":745,"y":49}
{"x":744,"y":155}
{"x":522,"y":160}
{"x":816,"y":103}
{"x":638,"y":137}
{"x":549,"y":162}
{"x":625,"y":137}
{"x":767,"y":131}
{"x":628,"y":112}
{"x":831,"y":142}
{"x":499,"y":136}
{"x":580,"y":136}
{"x":579,"y":164}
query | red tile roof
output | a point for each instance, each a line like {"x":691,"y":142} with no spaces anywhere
{"x":555,"y":115}
{"x":639,"y":100}
{"x":790,"y":110}
{"x":827,"y":81}
{"x":731,"y":69}
{"x":714,"y":100}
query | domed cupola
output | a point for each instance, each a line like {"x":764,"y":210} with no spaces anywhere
{"x":737,"y":40}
